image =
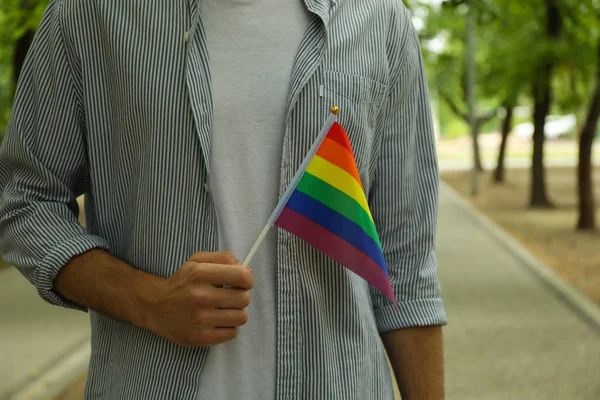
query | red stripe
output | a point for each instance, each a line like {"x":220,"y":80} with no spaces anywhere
{"x":336,"y":248}
{"x":338,"y":135}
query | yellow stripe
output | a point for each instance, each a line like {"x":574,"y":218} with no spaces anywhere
{"x":339,"y":179}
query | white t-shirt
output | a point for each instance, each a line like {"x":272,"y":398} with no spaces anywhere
{"x":252,"y":45}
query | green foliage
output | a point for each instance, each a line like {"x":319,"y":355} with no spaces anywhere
{"x":16,"y":18}
{"x":6,"y":49}
{"x":511,"y":44}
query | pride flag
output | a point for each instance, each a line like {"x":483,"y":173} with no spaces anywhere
{"x":325,"y":205}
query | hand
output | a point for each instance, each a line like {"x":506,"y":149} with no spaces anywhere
{"x":192,"y":308}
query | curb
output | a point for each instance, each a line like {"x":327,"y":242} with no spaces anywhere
{"x":64,"y":373}
{"x":587,"y":309}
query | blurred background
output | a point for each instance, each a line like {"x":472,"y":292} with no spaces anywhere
{"x":515,"y":90}
{"x":515,"y":94}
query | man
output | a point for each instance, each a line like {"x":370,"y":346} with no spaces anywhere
{"x":183,"y":122}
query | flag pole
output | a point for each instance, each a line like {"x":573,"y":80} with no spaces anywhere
{"x":256,"y":245}
{"x":333,"y":117}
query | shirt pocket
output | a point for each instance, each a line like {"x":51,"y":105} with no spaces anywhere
{"x":356,"y":89}
{"x":359,"y":99}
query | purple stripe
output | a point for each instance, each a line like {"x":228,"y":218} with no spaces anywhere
{"x":336,"y":248}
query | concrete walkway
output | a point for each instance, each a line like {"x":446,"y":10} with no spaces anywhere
{"x":34,"y":336}
{"x":511,"y":335}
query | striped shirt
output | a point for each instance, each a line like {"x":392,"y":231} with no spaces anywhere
{"x":114,"y":101}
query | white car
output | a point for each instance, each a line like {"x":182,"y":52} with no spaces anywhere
{"x":556,"y":127}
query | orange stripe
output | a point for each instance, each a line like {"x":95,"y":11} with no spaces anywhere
{"x":339,"y":156}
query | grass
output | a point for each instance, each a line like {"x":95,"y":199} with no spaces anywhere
{"x":549,"y":234}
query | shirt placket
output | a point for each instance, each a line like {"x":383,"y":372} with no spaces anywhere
{"x":289,"y":335}
{"x":198,"y":80}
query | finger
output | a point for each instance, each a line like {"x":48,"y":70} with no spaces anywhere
{"x":223,"y":257}
{"x":216,"y":336}
{"x":227,"y":318}
{"x":230,"y":298}
{"x":235,"y":276}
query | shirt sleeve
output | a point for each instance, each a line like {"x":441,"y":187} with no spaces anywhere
{"x":43,"y":165}
{"x":404,"y":194}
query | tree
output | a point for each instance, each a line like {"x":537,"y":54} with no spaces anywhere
{"x":542,"y":53}
{"x":581,"y":21}
{"x":504,"y":132}
{"x":448,"y":70}
{"x":542,"y":95}
{"x":480,"y":119}
{"x":584,"y":171}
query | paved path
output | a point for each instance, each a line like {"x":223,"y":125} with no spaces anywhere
{"x":34,"y":336}
{"x":510,"y":336}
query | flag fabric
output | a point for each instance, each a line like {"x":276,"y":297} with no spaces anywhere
{"x":325,"y":205}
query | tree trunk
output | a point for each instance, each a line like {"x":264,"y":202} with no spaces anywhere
{"x":539,"y":197}
{"x":475,"y":129}
{"x":471,"y":96}
{"x":542,"y":94}
{"x":477,"y":146}
{"x":22,"y":45}
{"x":587,"y":219}
{"x":506,"y":127}
{"x":478,"y":163}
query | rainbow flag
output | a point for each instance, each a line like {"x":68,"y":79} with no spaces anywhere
{"x":325,"y":205}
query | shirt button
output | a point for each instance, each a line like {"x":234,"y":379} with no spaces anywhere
{"x":206,"y":188}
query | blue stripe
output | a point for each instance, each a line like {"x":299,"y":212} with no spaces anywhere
{"x":337,"y":224}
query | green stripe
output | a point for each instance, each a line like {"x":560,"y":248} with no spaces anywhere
{"x":338,"y":201}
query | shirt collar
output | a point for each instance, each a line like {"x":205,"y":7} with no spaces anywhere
{"x":321,"y":7}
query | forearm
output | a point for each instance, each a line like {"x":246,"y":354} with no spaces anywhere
{"x":103,"y":283}
{"x":416,"y":355}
